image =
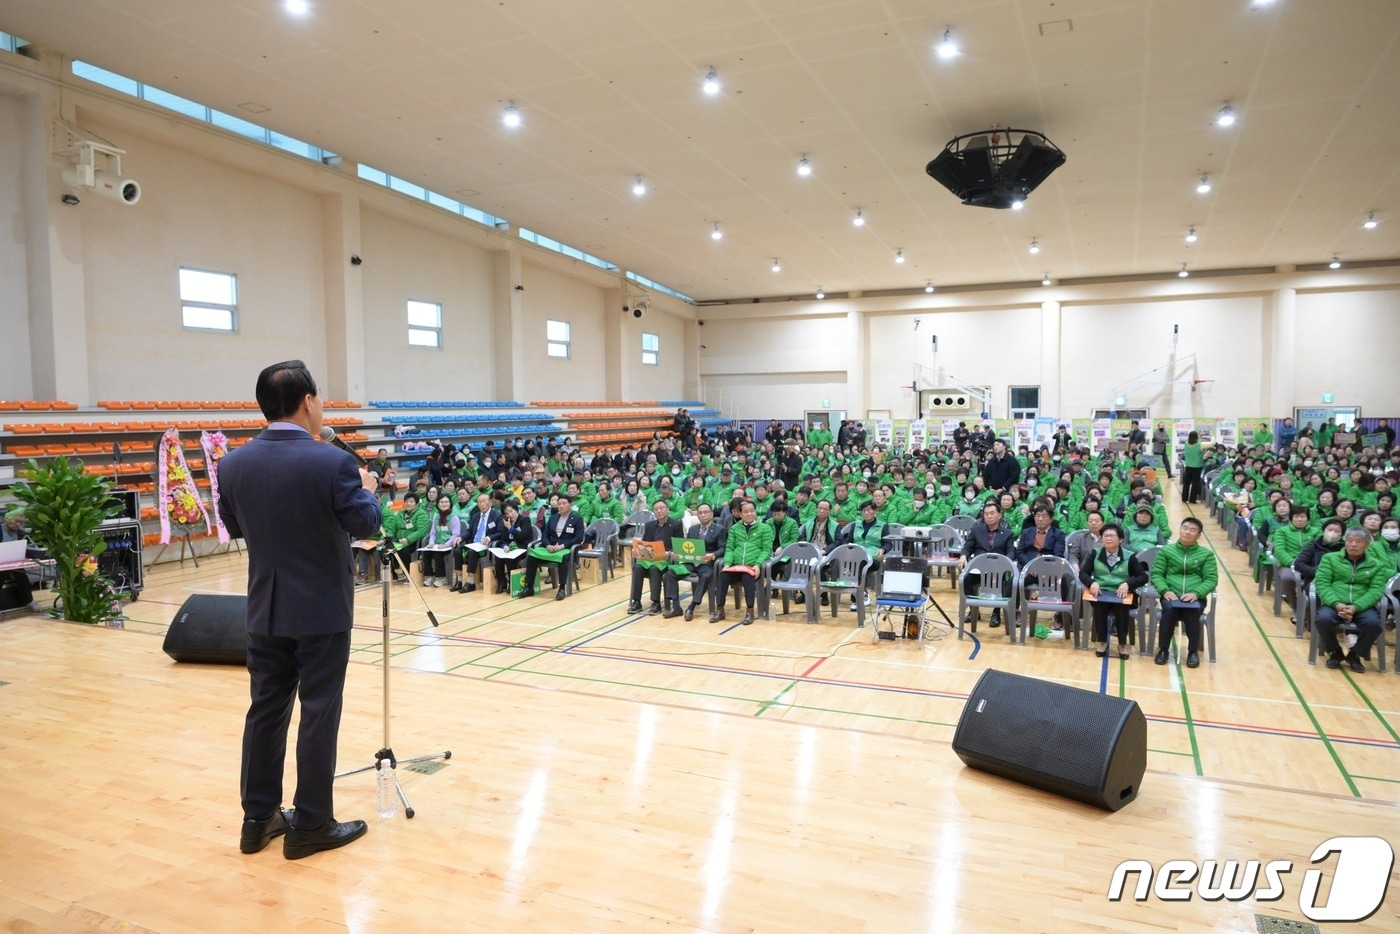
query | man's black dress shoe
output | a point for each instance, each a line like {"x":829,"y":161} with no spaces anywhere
{"x":1193,"y":660}
{"x":560,"y":595}
{"x":527,"y":592}
{"x":1162,"y":657}
{"x":331,"y":834}
{"x":257,"y":834}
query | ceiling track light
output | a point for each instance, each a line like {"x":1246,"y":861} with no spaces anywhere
{"x":1191,"y":235}
{"x":899,"y":256}
{"x":1336,"y":262}
{"x":859,"y":219}
{"x":511,"y":115}
{"x":821,"y":293}
{"x":947,"y":48}
{"x":716,"y":234}
{"x":711,"y":85}
{"x":1371,"y":221}
{"x":777,"y":266}
{"x":1046,"y":280}
{"x":1035,"y":246}
{"x":1204,"y":185}
{"x":1183,"y":274}
{"x":928,"y":286}
{"x":804,"y":166}
{"x":1226,"y":117}
{"x":1018,"y":204}
{"x":639,"y":187}
{"x":297,"y":7}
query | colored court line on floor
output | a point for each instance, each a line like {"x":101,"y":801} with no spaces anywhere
{"x":622,"y":625}
{"x":1103,"y":675}
{"x":1373,"y":778}
{"x":811,"y":668}
{"x":1190,"y":724}
{"x":561,"y":648}
{"x":1365,"y":698}
{"x":552,"y":628}
{"x":1321,"y":733}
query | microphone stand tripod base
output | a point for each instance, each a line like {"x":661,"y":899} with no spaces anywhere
{"x":387,"y":557}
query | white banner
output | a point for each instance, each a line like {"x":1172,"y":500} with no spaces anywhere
{"x":1229,"y":431}
{"x":918,"y":434}
{"x":884,"y":431}
{"x":950,"y":425}
{"x":1025,"y":434}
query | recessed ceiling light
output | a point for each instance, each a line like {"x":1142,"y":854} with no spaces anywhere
{"x":1261,"y":3}
{"x":297,"y":7}
{"x":820,"y":292}
{"x":511,"y":115}
{"x":899,"y":256}
{"x":928,"y":286}
{"x":1017,"y":205}
{"x":1371,"y":221}
{"x":1336,"y":262}
{"x":1204,"y":185}
{"x":639,"y":187}
{"x":777,"y":266}
{"x":1183,"y":274}
{"x":1226,"y":117}
{"x":1191,"y":235}
{"x":859,"y":219}
{"x":1035,"y":246}
{"x":716,"y":234}
{"x":711,"y":85}
{"x":1046,"y":280}
{"x":804,"y":167}
{"x":947,"y":48}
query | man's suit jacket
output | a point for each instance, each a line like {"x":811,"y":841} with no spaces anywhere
{"x":573,"y":530}
{"x":496,"y":532}
{"x":297,"y":502}
{"x":655,"y":531}
{"x":714,"y":537}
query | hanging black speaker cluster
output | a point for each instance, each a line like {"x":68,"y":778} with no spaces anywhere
{"x":995,"y":168}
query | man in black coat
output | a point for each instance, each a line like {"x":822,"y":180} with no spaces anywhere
{"x":297,"y":503}
{"x":715,"y":539}
{"x":661,"y":528}
{"x":563,"y":531}
{"x":989,"y":535}
{"x":1002,"y":471}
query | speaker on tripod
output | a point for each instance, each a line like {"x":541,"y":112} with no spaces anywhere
{"x":209,"y":629}
{"x":1081,"y":744}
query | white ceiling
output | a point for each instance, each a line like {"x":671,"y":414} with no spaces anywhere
{"x":609,"y":89}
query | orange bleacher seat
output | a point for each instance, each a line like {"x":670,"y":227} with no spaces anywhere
{"x":167,"y":405}
{"x":29,"y":405}
{"x":7,"y":406}
{"x":64,"y":406}
{"x":25,"y":429}
{"x":26,"y":450}
{"x":89,"y":449}
{"x":141,"y":446}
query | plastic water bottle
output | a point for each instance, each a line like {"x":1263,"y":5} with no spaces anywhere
{"x":386,"y":793}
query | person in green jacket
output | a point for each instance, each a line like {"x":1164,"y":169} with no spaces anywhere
{"x":1262,"y":435}
{"x":1143,"y":533}
{"x":750,"y":544}
{"x":784,"y":526}
{"x":1350,"y":584}
{"x":1184,"y":573}
{"x":1387,"y":545}
{"x":1192,"y":460}
{"x":1287,"y":542}
{"x":403,"y":530}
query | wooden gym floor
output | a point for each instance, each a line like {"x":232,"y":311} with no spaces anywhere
{"x":618,"y":771}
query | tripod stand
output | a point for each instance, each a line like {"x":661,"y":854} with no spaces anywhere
{"x":387,"y":557}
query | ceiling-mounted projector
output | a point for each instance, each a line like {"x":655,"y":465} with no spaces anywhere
{"x":995,"y":168}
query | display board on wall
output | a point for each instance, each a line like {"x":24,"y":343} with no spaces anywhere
{"x":1228,"y":431}
{"x":884,"y":431}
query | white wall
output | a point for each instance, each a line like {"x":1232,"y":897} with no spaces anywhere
{"x":552,"y":296}
{"x":403,"y":262}
{"x":996,"y":347}
{"x":759,"y":367}
{"x":1349,"y":345}
{"x":1103,"y":346}
{"x":16,"y":377}
{"x":641,"y":382}
{"x":210,"y":216}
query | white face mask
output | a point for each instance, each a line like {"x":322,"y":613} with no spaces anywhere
{"x":865,"y":474}
{"x":1391,"y":535}
{"x":945,"y":490}
{"x":1032,"y":482}
{"x":1331,"y":536}
{"x":969,"y":496}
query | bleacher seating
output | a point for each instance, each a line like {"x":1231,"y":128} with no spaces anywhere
{"x":412,"y":404}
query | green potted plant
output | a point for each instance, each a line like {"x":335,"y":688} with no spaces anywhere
{"x":65,"y":507}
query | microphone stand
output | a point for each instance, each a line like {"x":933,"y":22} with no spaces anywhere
{"x":387,"y":556}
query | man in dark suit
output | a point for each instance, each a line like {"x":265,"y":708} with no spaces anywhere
{"x":708,"y":531}
{"x":661,"y":528}
{"x":563,"y":530}
{"x":297,"y":503}
{"x":484,"y":527}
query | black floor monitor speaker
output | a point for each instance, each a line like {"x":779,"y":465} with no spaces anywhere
{"x":1081,"y":744}
{"x":209,"y":629}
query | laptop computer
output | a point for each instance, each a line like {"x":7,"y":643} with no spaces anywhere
{"x":13,"y":551}
{"x":901,"y":585}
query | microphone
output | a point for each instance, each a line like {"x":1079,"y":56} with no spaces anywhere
{"x":328,"y":435}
